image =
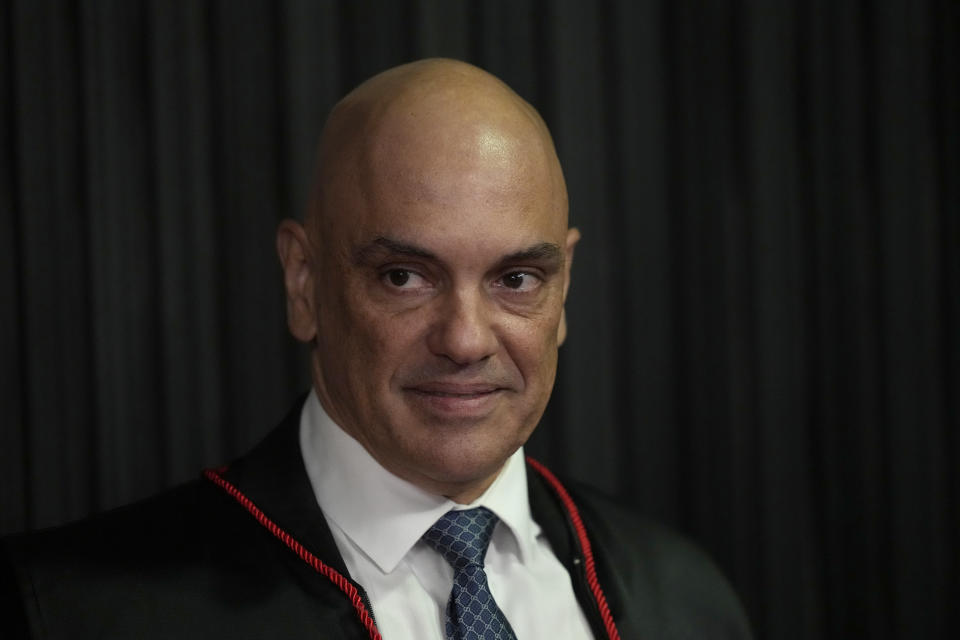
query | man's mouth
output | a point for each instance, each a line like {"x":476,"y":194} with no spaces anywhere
{"x":454,"y":390}
{"x":456,"y":400}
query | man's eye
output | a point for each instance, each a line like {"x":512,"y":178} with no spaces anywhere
{"x":404,"y":279}
{"x":520,"y":281}
{"x":399,"y":277}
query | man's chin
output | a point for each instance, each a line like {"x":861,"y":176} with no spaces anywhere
{"x":465,"y":485}
{"x":455,"y":466}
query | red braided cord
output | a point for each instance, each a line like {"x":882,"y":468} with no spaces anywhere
{"x":331,"y":574}
{"x":588,"y":562}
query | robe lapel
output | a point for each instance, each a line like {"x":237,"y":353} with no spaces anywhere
{"x":273,"y":476}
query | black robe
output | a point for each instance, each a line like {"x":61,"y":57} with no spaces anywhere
{"x":196,"y":562}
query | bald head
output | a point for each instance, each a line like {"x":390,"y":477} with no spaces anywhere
{"x":401,"y":129}
{"x":431,"y":275}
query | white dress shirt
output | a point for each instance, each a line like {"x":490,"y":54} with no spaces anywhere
{"x":377,"y":520}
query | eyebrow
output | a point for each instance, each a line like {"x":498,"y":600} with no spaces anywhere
{"x":392,"y":246}
{"x":543,"y":251}
{"x":546,"y":251}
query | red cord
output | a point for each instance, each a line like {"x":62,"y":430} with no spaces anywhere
{"x":588,"y":562}
{"x":331,"y":574}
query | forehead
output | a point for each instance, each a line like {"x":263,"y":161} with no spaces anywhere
{"x":458,"y":216}
{"x":479,"y":190}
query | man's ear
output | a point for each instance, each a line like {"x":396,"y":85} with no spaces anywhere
{"x":298,"y":264}
{"x":573,"y":236}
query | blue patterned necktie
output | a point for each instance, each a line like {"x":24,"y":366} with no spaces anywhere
{"x":462,"y":537}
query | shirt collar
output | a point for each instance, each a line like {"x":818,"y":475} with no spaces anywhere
{"x":385,"y":515}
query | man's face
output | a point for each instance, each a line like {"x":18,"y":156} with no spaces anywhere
{"x":439,"y":293}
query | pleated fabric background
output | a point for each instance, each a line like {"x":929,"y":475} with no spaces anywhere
{"x":764,"y":318}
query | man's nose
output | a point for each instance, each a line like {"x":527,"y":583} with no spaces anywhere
{"x":463,"y":330}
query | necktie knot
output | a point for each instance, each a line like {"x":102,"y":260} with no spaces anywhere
{"x":462,"y":537}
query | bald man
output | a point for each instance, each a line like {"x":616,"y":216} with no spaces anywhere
{"x":429,"y":279}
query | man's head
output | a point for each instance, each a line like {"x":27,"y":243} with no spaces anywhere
{"x":431,"y":271}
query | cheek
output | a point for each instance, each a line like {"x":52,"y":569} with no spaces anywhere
{"x":533,"y":348}
{"x":380,"y":340}
{"x":348,"y":339}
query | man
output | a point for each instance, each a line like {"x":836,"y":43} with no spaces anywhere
{"x":429,"y":278}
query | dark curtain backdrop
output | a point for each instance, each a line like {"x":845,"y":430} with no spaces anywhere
{"x":765,"y":312}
